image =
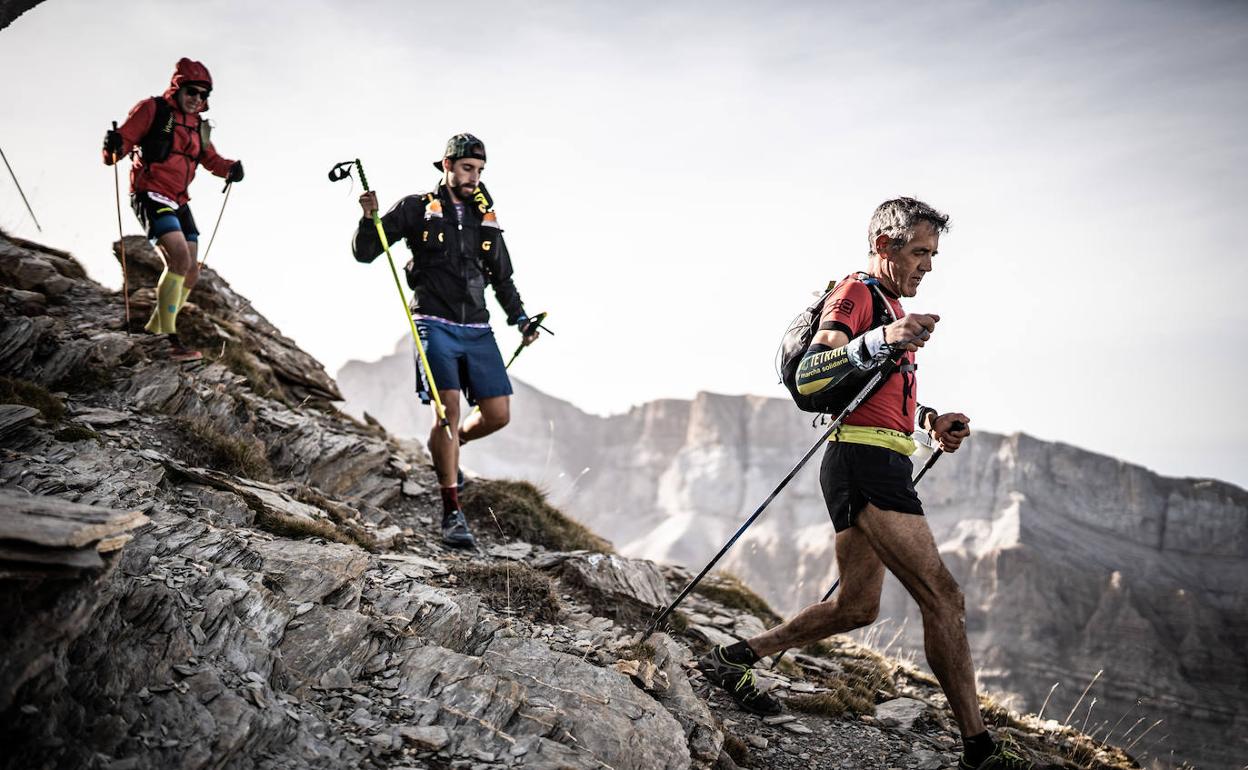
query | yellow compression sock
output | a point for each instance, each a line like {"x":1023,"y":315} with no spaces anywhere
{"x":182,"y":297}
{"x":168,"y":300}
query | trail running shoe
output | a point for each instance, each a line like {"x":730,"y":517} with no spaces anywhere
{"x":455,"y":530}
{"x":738,"y":680}
{"x":1003,"y":757}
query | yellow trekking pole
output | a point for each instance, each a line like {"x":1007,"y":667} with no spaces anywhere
{"x":342,"y":171}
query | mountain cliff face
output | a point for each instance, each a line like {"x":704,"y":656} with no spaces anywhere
{"x":209,"y":566}
{"x":1072,"y":562}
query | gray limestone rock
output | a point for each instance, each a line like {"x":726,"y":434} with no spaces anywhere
{"x":617,"y":584}
{"x":900,"y":712}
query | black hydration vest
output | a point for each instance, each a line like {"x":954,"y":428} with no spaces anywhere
{"x":157,"y":144}
{"x":796,"y":341}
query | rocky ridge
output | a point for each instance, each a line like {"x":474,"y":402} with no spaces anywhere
{"x":282,"y":602}
{"x":1073,"y":563}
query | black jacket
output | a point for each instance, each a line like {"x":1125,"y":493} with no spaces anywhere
{"x":452,"y":261}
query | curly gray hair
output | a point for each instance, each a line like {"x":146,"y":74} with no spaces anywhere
{"x":896,"y":219}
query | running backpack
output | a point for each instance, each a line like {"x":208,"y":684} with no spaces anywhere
{"x":157,"y":144}
{"x":796,"y":341}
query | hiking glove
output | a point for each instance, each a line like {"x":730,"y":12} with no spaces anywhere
{"x":236,"y":172}
{"x":112,"y":143}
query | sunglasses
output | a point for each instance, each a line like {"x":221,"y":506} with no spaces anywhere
{"x":198,"y":93}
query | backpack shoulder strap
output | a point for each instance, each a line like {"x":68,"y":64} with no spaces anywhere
{"x":158,"y":141}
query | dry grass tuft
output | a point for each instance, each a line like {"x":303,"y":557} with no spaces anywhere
{"x":868,"y":677}
{"x":819,"y":650}
{"x":77,"y":433}
{"x":523,"y":513}
{"x":32,"y":394}
{"x":514,"y":587}
{"x":342,"y":515}
{"x":84,"y":378}
{"x":728,"y":590}
{"x":737,"y":749}
{"x":284,"y":525}
{"x":637,"y":651}
{"x":203,"y":445}
{"x":996,"y":713}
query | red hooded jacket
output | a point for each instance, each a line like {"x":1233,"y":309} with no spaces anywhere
{"x":172,"y":177}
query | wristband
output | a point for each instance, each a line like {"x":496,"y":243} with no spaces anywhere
{"x":869,"y":349}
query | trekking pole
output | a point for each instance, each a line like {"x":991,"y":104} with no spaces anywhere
{"x":957,"y":425}
{"x":342,"y":171}
{"x":534,"y":323}
{"x":19,"y":189}
{"x":121,"y":239}
{"x":858,"y":399}
{"x":228,"y":187}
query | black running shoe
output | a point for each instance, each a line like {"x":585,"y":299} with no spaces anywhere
{"x":455,"y":530}
{"x":1003,"y":757}
{"x":738,"y":680}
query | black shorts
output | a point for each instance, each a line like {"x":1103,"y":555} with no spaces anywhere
{"x":159,"y":217}
{"x":853,"y":475}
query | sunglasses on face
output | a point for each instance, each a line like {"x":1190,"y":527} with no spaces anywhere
{"x":198,"y":93}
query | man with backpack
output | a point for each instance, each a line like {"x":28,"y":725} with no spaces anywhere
{"x":172,"y":140}
{"x":457,"y":248}
{"x":862,"y":330}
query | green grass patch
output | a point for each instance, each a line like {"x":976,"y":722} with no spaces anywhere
{"x":74,"y":432}
{"x":32,"y":394}
{"x":204,"y":445}
{"x":521,"y":511}
{"x":514,"y":588}
{"x":728,"y":590}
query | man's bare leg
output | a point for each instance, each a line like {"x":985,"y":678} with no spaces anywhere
{"x":854,"y":605}
{"x":905,"y":544}
{"x":177,"y":252}
{"x":442,"y":448}
{"x":494,"y":414}
{"x":192,"y":271}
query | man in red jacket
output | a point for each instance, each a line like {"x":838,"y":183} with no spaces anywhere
{"x":172,"y":140}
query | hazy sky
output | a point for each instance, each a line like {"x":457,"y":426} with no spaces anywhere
{"x":676,"y":179}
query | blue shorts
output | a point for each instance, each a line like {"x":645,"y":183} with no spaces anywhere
{"x":161,"y":217}
{"x":463,"y":358}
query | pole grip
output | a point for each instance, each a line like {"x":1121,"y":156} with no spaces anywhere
{"x":363,"y":179}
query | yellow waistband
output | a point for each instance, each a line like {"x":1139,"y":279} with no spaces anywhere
{"x":881,"y":437}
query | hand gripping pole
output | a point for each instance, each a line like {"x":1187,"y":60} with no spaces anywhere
{"x":342,"y":171}
{"x":858,"y":399}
